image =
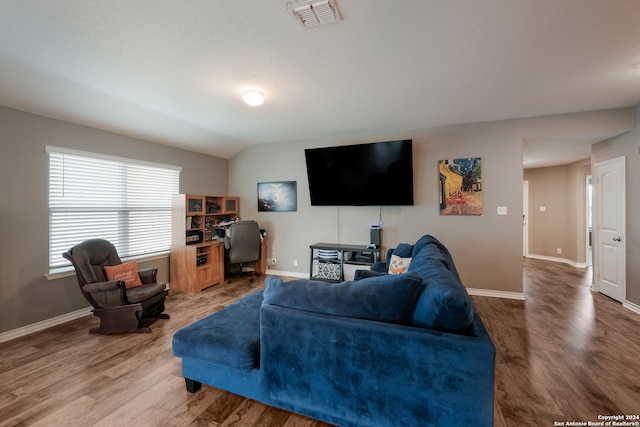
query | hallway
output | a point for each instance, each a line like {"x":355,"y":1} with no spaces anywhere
{"x":564,"y":354}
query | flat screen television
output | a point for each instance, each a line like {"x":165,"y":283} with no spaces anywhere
{"x":376,"y":174}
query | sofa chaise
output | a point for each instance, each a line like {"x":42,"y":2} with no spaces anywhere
{"x":396,"y":350}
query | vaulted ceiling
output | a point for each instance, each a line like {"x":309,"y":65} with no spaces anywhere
{"x":174,"y":71}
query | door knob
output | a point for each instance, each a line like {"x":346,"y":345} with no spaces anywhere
{"x":617,"y":239}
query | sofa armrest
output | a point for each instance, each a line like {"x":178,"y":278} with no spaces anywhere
{"x":375,"y":373}
{"x":106,"y":294}
{"x":148,"y":275}
{"x":102,"y":286}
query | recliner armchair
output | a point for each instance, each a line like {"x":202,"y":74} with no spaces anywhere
{"x":119,"y":308}
{"x":243,"y":245}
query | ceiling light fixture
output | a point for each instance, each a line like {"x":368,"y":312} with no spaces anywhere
{"x":253,"y":97}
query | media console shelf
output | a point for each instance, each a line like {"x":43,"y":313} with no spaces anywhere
{"x":328,"y":260}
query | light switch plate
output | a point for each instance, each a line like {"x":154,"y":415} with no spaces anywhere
{"x":502,"y":210}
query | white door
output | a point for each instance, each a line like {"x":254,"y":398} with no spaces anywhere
{"x":609,"y":249}
{"x":525,"y":218}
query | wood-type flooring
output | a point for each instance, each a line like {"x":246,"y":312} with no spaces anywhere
{"x":565,"y":354}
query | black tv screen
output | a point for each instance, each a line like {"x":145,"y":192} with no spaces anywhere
{"x":374,"y":174}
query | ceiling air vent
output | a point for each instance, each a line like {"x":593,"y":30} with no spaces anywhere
{"x":311,"y":14}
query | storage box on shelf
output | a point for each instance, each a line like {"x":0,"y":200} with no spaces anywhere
{"x":331,"y":261}
{"x":197,"y":251}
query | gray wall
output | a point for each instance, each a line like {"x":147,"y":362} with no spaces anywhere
{"x":26,"y":296}
{"x":562,"y":191}
{"x":290,"y":234}
{"x":628,"y":145}
{"x":487,"y":248}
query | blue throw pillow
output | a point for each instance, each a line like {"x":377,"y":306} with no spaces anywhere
{"x":403,"y":250}
{"x":386,"y":298}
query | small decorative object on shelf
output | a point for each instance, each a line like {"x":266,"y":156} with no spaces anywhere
{"x":213,"y":207}
{"x":328,"y":255}
{"x":327,"y":271}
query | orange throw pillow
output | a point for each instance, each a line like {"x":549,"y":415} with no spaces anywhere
{"x":127,"y":271}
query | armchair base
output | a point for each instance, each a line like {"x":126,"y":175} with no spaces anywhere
{"x":125,"y":318}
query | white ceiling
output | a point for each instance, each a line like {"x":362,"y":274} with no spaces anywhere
{"x":173,"y":71}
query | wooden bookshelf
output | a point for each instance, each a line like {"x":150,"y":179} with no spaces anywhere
{"x":197,"y":251}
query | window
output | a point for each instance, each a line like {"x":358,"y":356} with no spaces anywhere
{"x":125,"y":201}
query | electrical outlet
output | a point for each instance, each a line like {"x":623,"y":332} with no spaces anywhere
{"x":273,"y":261}
{"x":295,"y":263}
{"x":559,"y":250}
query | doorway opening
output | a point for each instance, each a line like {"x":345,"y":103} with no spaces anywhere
{"x":525,"y":219}
{"x":589,"y":199}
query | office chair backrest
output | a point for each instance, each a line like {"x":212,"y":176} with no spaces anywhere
{"x":244,"y":242}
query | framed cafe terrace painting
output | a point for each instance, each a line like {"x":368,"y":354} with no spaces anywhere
{"x":460,"y":186}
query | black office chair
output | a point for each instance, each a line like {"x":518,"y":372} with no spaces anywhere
{"x":242,"y":246}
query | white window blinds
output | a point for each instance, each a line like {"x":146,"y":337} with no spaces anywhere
{"x":127,"y":202}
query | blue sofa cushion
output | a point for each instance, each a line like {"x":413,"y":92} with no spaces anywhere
{"x":229,"y":337}
{"x":444,"y":304}
{"x":363,"y":274}
{"x":431,"y":249}
{"x":387,"y":298}
{"x":403,"y":250}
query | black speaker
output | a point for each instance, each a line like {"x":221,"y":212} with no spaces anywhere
{"x":374,"y":233}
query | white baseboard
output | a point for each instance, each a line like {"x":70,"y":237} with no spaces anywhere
{"x":496,"y":294}
{"x":39,"y":326}
{"x":631,"y":306}
{"x":556,"y":259}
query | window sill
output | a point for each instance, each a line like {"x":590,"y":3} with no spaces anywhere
{"x":68,"y":271}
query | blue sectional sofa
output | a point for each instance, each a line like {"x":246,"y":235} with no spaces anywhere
{"x":385,"y":350}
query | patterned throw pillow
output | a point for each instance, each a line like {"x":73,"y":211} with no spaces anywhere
{"x":399,"y":265}
{"x":128,"y":272}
